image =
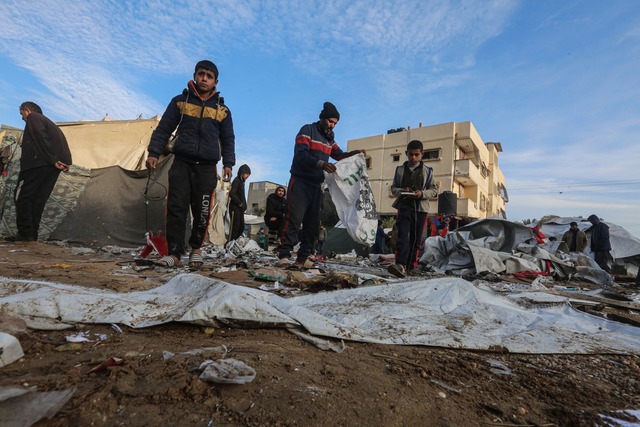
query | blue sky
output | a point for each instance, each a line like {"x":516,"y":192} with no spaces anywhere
{"x":556,"y":82}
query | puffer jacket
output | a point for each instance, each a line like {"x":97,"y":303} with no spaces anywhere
{"x":205,"y":129}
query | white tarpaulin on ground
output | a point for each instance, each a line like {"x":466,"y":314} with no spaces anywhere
{"x":446,"y":312}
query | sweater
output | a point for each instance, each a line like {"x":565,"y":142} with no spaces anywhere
{"x":43,"y":143}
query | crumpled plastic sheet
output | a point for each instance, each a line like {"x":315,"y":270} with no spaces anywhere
{"x":446,"y":312}
{"x":227,"y":371}
{"x":23,"y":407}
{"x":494,"y":245}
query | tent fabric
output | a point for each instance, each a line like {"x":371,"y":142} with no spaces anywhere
{"x":339,"y":241}
{"x":62,"y":200}
{"x":497,"y":246}
{"x":446,"y":312}
{"x":101,"y":200}
{"x":113,"y":210}
{"x":100,"y":144}
{"x":623,"y":243}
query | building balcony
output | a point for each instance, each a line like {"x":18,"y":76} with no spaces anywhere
{"x":469,"y":208}
{"x":467,"y":173}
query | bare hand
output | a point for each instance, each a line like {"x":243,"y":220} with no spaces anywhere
{"x":227,"y":173}
{"x":61,"y":166}
{"x":151,"y":162}
{"x":329,"y":167}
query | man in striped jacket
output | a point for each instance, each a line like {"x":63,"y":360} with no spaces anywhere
{"x":315,"y":144}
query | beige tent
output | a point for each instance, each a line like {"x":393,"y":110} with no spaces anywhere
{"x":108,"y":197}
{"x":123,"y":143}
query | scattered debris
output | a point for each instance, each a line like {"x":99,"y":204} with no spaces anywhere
{"x":227,"y":371}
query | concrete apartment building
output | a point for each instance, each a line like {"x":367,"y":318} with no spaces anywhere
{"x":462,"y":163}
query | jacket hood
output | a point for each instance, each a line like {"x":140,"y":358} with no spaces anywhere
{"x":244,"y":169}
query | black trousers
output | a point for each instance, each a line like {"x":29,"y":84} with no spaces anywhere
{"x":302,"y":221}
{"x":236,"y":214}
{"x":191,"y":186}
{"x":31,"y":195}
{"x":410,"y":224}
{"x":601,"y":260}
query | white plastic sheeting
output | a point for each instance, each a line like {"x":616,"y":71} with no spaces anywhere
{"x":10,"y":349}
{"x":440,"y":312}
{"x":499,"y":246}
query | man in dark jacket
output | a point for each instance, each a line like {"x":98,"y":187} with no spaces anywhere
{"x":204,"y":136}
{"x":238,"y":202}
{"x":276,"y":210}
{"x":600,"y":243}
{"x":315,"y":143}
{"x":45,"y":153}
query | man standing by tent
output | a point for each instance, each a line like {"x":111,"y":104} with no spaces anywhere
{"x":600,"y":243}
{"x":314,"y":144}
{"x":204,"y":136}
{"x":45,"y":153}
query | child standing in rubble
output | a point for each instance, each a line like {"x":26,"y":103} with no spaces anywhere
{"x":413,"y":186}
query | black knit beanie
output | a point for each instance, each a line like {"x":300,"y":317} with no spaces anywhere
{"x":244,"y":169}
{"x":207,"y":65}
{"x":329,"y":111}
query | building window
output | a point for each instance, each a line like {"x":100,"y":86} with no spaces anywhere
{"x":368,"y":160}
{"x":484,"y":171}
{"x":431,"y":154}
{"x":396,"y":157}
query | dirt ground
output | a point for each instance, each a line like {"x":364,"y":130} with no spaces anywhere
{"x":296,"y":383}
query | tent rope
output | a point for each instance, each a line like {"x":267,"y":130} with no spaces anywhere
{"x":151,"y":180}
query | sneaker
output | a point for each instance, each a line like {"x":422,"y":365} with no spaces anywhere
{"x":283,"y":262}
{"x":397,"y":270}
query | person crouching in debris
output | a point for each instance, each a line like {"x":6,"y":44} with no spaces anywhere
{"x":204,"y":136}
{"x":276,"y":210}
{"x":413,"y":186}
{"x":45,"y":153}
{"x":238,"y":202}
{"x":575,"y":238}
{"x":600,"y":243}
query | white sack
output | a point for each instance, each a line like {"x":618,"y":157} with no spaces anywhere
{"x":219,"y":218}
{"x":351,"y":193}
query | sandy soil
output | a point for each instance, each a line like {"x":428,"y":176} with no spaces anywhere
{"x":296,"y":383}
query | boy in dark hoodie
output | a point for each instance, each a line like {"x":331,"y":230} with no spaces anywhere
{"x":238,"y":202}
